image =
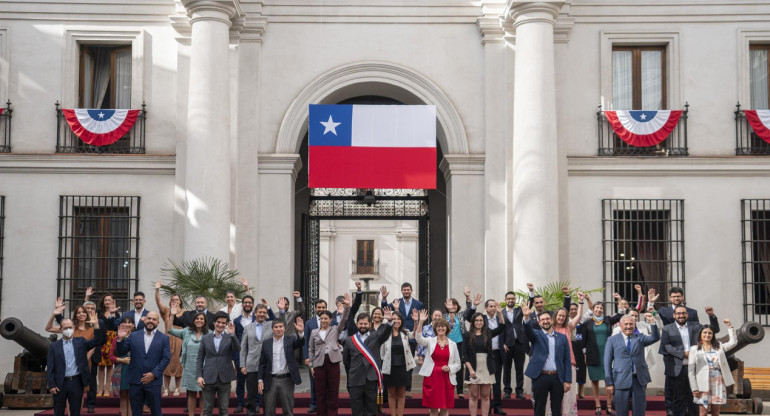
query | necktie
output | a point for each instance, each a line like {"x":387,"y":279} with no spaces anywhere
{"x":628,"y":347}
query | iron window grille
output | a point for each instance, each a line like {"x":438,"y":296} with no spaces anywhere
{"x":131,"y":143}
{"x":5,"y":128}
{"x":755,"y":242}
{"x":611,"y":145}
{"x":2,"y":238}
{"x":98,"y":247}
{"x":642,"y":243}
{"x":746,"y":141}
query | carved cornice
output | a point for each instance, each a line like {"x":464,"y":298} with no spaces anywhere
{"x":248,"y":28}
{"x":462,"y":164}
{"x":490,"y":22}
{"x":212,"y":9}
{"x":729,"y":166}
{"x":42,"y":164}
{"x":553,"y":12}
{"x":280,"y":164}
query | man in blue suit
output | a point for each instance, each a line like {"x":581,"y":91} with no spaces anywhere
{"x":405,"y":306}
{"x":137,"y":314}
{"x":550,"y":366}
{"x":625,"y":369}
{"x":150,"y":354}
{"x":67,"y":366}
{"x":312,"y":323}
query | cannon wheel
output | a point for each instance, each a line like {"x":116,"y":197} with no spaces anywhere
{"x":8,"y":383}
{"x":757,"y":406}
{"x":746,"y":389}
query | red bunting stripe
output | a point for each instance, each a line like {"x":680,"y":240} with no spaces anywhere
{"x":100,"y":127}
{"x":759,"y":120}
{"x":642,"y":128}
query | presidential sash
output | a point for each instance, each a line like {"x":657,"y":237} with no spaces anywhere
{"x":361,"y":347}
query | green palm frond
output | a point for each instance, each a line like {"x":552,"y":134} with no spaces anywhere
{"x":208,"y":277}
{"x":552,"y":294}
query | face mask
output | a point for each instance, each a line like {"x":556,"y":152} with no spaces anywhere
{"x":68,"y":332}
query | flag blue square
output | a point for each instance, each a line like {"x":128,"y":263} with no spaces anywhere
{"x":330,"y":125}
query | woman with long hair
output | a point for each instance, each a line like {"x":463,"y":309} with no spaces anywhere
{"x":377,"y":316}
{"x":566,"y":326}
{"x":441,"y":363}
{"x":397,"y":361}
{"x":596,"y":330}
{"x":480,"y":365}
{"x":109,"y":311}
{"x":167,"y":313}
{"x":120,"y":373}
{"x":454,"y":316}
{"x":709,"y":371}
{"x":191,"y":339}
{"x":325,"y":355}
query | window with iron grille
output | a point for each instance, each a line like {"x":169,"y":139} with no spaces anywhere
{"x":98,"y":247}
{"x":755,"y":221}
{"x":5,"y":128}
{"x":364,"y":257}
{"x":642,"y":243}
{"x":2,"y":238}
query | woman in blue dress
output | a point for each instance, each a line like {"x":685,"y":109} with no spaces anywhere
{"x":191,"y":338}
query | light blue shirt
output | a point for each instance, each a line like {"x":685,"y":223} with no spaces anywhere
{"x":71,"y":368}
{"x":217,"y":341}
{"x":550,"y":361}
{"x":258,"y":330}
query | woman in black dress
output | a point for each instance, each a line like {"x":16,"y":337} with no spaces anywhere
{"x":397,"y":360}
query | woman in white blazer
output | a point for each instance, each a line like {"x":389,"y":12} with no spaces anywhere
{"x":397,"y":362}
{"x":708,"y":370}
{"x":441,"y":363}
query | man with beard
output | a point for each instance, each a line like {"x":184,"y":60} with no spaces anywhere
{"x":150,"y":354}
{"x":550,"y":366}
{"x":251,"y":349}
{"x":137,"y":314}
{"x":247,"y":317}
{"x":676,"y":297}
{"x":186,"y":320}
{"x":675,"y":342}
{"x":515,"y":346}
{"x":361,"y":356}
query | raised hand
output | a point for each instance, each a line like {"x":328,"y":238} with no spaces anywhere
{"x":565,"y":290}
{"x":174,"y":309}
{"x":384,"y":292}
{"x":244,"y":281}
{"x":448,"y":304}
{"x":230,"y":328}
{"x":158,"y":284}
{"x":296,"y":294}
{"x":348,"y":299}
{"x":616,"y":296}
{"x":652,"y":296}
{"x":299,"y":325}
{"x":498,"y":309}
{"x":581,"y":296}
{"x":396,"y":303}
{"x":477,"y":299}
{"x":92,"y":319}
{"x":709,"y":311}
{"x":89,"y":292}
{"x":59,"y":308}
{"x":264,"y":302}
{"x":525,"y":310}
{"x":638,"y":289}
{"x":727,"y":321}
{"x":281,"y":303}
{"x":124,"y":330}
{"x":650,"y":319}
{"x":358,"y":286}
{"x":387,"y":313}
{"x":467,"y":292}
{"x":417,"y":315}
{"x":113,"y":308}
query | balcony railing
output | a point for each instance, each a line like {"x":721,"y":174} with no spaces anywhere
{"x":746,"y":141}
{"x":611,"y":145}
{"x":68,"y":142}
{"x":5,"y":128}
{"x":363,"y":267}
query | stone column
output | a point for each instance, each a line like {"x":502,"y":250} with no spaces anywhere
{"x":535,"y":207}
{"x":207,"y":167}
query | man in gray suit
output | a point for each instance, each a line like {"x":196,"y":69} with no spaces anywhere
{"x":251,"y":348}
{"x":215,"y":363}
{"x":625,"y":368}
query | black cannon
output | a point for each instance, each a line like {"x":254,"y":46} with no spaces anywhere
{"x":28,"y":368}
{"x":739,"y":394}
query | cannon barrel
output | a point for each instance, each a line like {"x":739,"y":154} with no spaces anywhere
{"x":37,"y":345}
{"x":749,"y":333}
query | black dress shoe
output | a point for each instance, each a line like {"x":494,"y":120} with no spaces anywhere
{"x":239,"y":409}
{"x":520,"y":396}
{"x":312,"y":409}
{"x":90,"y":409}
{"x":499,"y":411}
{"x":507,"y":396}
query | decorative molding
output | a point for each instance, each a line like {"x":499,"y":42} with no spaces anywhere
{"x":47,"y":164}
{"x":491,"y":29}
{"x":4,"y":65}
{"x":468,"y":164}
{"x":407,"y":85}
{"x":736,"y":166}
{"x":543,"y":11}
{"x":562,"y":29}
{"x":279,"y":164}
{"x":212,"y":9}
{"x":248,"y":28}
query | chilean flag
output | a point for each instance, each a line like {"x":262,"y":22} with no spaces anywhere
{"x":759,"y":120}
{"x":643,"y":128}
{"x":100,"y":127}
{"x":372,"y":146}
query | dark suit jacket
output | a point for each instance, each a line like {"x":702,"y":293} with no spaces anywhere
{"x":217,"y":366}
{"x":360,"y":372}
{"x":237,"y":322}
{"x":672,"y":347}
{"x":407,"y":314}
{"x":131,"y":314}
{"x":266,"y":359}
{"x":310,"y":325}
{"x":103,"y":326}
{"x":667,"y":315}
{"x":539,"y":341}
{"x":57,"y":365}
{"x":589,"y":337}
{"x":533,"y":315}
{"x":186,"y":320}
{"x":520,"y":337}
{"x":155,"y":360}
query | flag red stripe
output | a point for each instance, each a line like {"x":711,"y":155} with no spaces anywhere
{"x":643,"y":140}
{"x":756,"y":125}
{"x":371,"y":167}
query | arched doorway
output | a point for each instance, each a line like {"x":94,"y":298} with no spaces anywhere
{"x":425,"y":210}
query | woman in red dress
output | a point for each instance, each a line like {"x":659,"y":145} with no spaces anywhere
{"x":442,"y":361}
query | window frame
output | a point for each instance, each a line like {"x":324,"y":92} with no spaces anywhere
{"x":85,"y":49}
{"x":750,"y":267}
{"x":636,"y":73}
{"x":365,"y":265}
{"x":747,"y":38}
{"x":766,"y":47}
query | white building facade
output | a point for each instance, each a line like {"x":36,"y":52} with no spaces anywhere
{"x":533,"y":186}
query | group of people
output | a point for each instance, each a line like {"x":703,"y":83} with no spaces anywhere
{"x":250,"y":344}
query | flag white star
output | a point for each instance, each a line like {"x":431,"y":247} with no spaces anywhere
{"x":101,"y":115}
{"x":330,"y":126}
{"x":643,"y":116}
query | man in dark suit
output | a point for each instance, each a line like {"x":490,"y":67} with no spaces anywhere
{"x":278,"y":371}
{"x":363,"y":377}
{"x":537,"y":303}
{"x":550,"y":366}
{"x":675,"y":342}
{"x":405,"y":306}
{"x":312,"y":323}
{"x":201,"y":305}
{"x":676,"y":296}
{"x":67,"y":366}
{"x":137,"y":314}
{"x":215,"y":370}
{"x":150,"y":354}
{"x":625,"y":369}
{"x":515,"y":346}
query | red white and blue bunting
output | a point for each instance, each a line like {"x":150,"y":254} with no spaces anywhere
{"x":642,"y":128}
{"x":99,"y":127}
{"x":759,"y":120}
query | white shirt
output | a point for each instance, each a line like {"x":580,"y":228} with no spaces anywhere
{"x":492,"y":324}
{"x":246,"y":319}
{"x":138,"y":317}
{"x":322,"y":333}
{"x":217,"y":340}
{"x":279,"y":357}
{"x":236,"y":312}
{"x":148,"y":339}
{"x":510,"y":318}
{"x":684,"y":332}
